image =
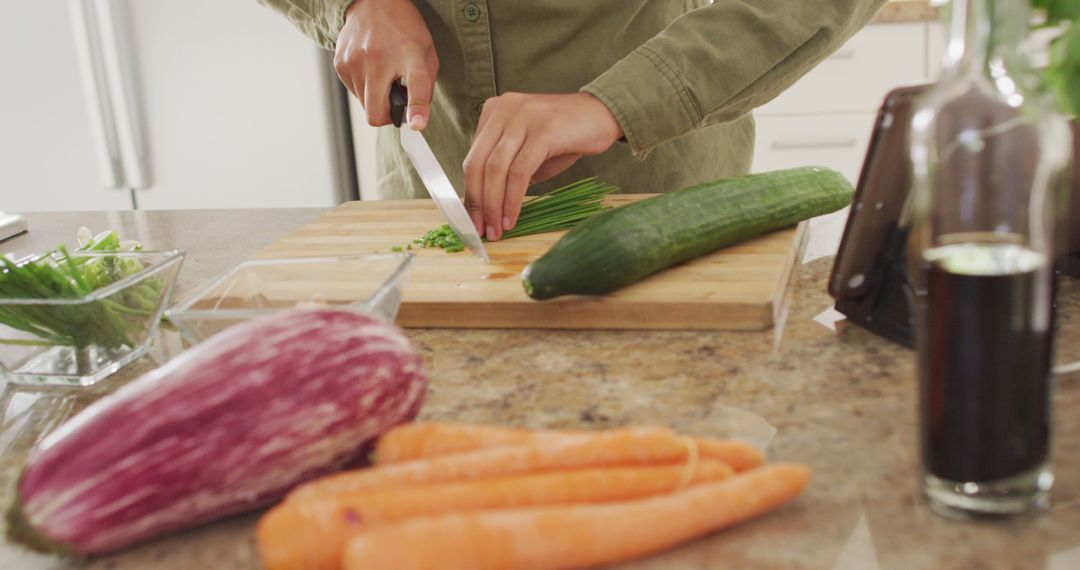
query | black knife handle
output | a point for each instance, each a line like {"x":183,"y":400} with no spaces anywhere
{"x":399,"y":99}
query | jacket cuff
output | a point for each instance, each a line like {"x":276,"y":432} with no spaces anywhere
{"x":320,"y":20}
{"x":334,"y":20}
{"x":650,"y":102}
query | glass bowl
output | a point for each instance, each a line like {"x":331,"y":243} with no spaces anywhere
{"x":369,"y":283}
{"x":79,"y":341}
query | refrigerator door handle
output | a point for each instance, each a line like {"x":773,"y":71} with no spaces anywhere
{"x":116,"y":44}
{"x":96,"y":91}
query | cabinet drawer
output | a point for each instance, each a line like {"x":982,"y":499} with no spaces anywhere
{"x":836,"y":141}
{"x":936,"y":39}
{"x":858,"y":75}
{"x":1037,"y":47}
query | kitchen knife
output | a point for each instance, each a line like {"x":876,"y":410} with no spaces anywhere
{"x":435,"y":180}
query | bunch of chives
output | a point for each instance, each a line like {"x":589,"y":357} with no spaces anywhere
{"x":559,"y":209}
{"x":58,"y":275}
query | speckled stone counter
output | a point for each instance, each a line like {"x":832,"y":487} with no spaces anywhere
{"x":898,"y":11}
{"x":839,"y":399}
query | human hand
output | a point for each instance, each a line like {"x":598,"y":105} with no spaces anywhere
{"x":381,"y":41}
{"x":525,"y":138}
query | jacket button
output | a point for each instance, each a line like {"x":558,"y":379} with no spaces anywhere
{"x":471,"y":12}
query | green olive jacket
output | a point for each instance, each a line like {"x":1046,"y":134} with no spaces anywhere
{"x":680,"y":76}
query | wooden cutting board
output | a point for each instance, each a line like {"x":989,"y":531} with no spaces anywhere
{"x":737,"y":288}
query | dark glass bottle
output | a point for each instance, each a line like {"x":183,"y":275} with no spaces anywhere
{"x":989,"y":154}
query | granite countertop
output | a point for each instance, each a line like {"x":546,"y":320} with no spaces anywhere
{"x":898,"y":11}
{"x":839,"y":399}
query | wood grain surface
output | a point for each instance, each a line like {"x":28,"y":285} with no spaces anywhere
{"x":736,"y":288}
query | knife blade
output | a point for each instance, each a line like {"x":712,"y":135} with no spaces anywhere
{"x":434,"y":178}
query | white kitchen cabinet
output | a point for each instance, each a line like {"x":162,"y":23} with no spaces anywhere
{"x":238,"y":107}
{"x":46,"y":139}
{"x":827,"y":117}
{"x":213,"y":105}
{"x":936,"y":38}
{"x":857,"y":76}
{"x":1036,"y":46}
{"x":364,"y":137}
{"x":835,"y":140}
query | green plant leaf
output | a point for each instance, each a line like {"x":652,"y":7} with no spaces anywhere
{"x":1062,"y":76}
{"x":1060,"y":10}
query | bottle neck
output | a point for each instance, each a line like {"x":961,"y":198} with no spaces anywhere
{"x":984,"y":34}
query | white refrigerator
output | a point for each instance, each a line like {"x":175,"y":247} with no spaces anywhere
{"x":160,"y":104}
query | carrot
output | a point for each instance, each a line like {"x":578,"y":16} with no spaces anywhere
{"x":577,"y":535}
{"x":427,"y":439}
{"x":432,"y":439}
{"x":630,"y":446}
{"x":312,"y":534}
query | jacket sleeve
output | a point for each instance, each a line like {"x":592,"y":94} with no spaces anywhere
{"x":321,"y":20}
{"x":717,"y":63}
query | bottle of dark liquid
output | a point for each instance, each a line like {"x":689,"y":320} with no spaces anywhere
{"x":989,"y":154}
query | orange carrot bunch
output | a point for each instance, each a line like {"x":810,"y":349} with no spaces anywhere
{"x":453,"y":496}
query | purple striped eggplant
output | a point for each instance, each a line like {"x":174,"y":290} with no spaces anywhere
{"x":229,"y":426}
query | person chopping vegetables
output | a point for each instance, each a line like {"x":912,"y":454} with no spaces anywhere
{"x":529,"y":95}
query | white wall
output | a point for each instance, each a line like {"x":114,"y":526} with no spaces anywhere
{"x":364,"y":146}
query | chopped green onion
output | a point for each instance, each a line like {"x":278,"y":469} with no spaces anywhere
{"x":557,"y":210}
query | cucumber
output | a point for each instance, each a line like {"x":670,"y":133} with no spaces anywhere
{"x":624,"y":245}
